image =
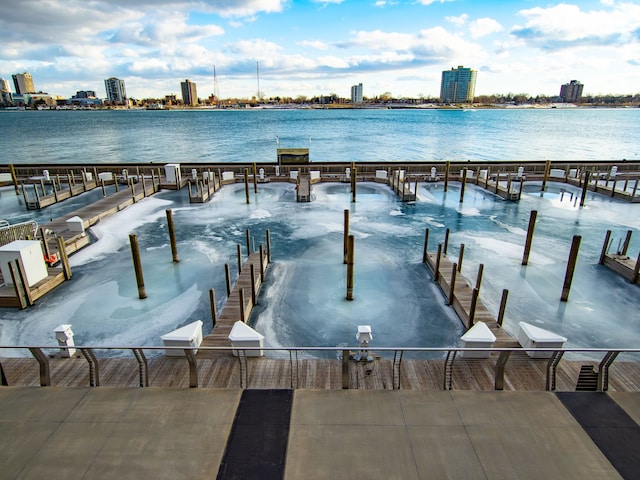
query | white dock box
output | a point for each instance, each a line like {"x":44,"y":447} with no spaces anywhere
{"x":106,"y":176}
{"x":478,"y":336}
{"x":172,"y":173}
{"x":242,"y":335}
{"x":32,"y":256}
{"x":75,"y":225}
{"x":531,"y":336}
{"x":188,"y":336}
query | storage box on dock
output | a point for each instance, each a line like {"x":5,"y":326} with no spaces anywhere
{"x":75,"y":224}
{"x":242,"y":335}
{"x":172,"y":173}
{"x":32,"y":257}
{"x":531,"y":336}
{"x":189,"y":336}
{"x":478,"y":336}
{"x":106,"y":176}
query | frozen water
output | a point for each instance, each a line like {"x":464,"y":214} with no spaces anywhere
{"x":303,"y":302}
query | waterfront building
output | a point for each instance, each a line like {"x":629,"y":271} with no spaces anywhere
{"x":189,"y":94}
{"x":4,"y":85}
{"x":571,"y":92}
{"x":85,"y":94}
{"x":458,"y":85}
{"x":23,"y":83}
{"x":116,"y":91}
{"x":356,"y":93}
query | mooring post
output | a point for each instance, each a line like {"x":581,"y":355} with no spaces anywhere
{"x":248,"y":232}
{"x":246,"y":184}
{"x":172,"y":236}
{"x":472,"y":307}
{"x":115,"y":182}
{"x":14,"y":178}
{"x":464,"y":183}
{"x":253,"y":284}
{"x":446,"y":177}
{"x":268,"y":246}
{"x":261,"y":264}
{"x":503,"y":306}
{"x":354,"y":172}
{"x":425,"y":251}
{"x":452,"y":286}
{"x":55,"y":192}
{"x":239,"y":248}
{"x":497,"y":185}
{"x":213,"y":307}
{"x":350,"y":261}
{"x":45,"y":244}
{"x":35,"y":189}
{"x":605,"y":247}
{"x":227,"y":276}
{"x":104,"y":189}
{"x":64,"y":259}
{"x":460,"y":257}
{"x":255,"y":178}
{"x":547,"y":167}
{"x":345,"y":247}
{"x":479,"y":276}
{"x":585,"y":187}
{"x":527,"y":246}
{"x":635,"y":189}
{"x":446,"y":241}
{"x":137,"y":265}
{"x":486,"y":179}
{"x":521,"y":188}
{"x":627,"y":240}
{"x":242,"y":307}
{"x":571,"y":265}
{"x":44,"y":192}
{"x":436,"y":275}
{"x":636,"y":270}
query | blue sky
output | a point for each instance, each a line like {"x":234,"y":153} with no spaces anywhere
{"x":320,"y":47}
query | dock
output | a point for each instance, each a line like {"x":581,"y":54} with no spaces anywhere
{"x":620,"y":262}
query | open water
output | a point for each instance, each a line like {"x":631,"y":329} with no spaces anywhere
{"x":303,"y":302}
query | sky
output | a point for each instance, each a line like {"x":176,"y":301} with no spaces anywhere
{"x":314,"y":47}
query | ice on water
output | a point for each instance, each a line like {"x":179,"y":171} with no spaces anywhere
{"x":303,"y":302}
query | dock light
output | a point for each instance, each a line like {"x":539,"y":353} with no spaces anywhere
{"x":364,"y":337}
{"x":64,"y":335}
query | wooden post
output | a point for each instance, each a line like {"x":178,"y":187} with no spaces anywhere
{"x":253,"y":284}
{"x":268,"y":246}
{"x":425,"y":252}
{"x":242,"y":312}
{"x":486,"y":179}
{"x":472,"y":307}
{"x":636,"y":270}
{"x":239,"y":248}
{"x":35,"y":189}
{"x":503,"y":306}
{"x":172,"y":236}
{"x":246,"y":184}
{"x":17,"y":286}
{"x":213,"y":307}
{"x":64,"y":259}
{"x":625,"y":245}
{"x":571,"y":265}
{"x":345,"y":246}
{"x":527,"y":245}
{"x":354,"y":172}
{"x":605,"y":247}
{"x":350,"y":261}
{"x":446,"y":241}
{"x":261,"y":264}
{"x":44,"y":192}
{"x":104,"y":190}
{"x":585,"y":187}
{"x":547,"y":167}
{"x":23,"y":280}
{"x":255,"y":178}
{"x":436,"y":275}
{"x":137,"y":265}
{"x":460,"y":256}
{"x":452,"y":286}
{"x":227,"y":276}
{"x":55,"y":191}
{"x":521,"y":188}
{"x":115,"y":182}
{"x":248,"y":233}
{"x":479,"y":276}
{"x":464,"y":183}
{"x":45,"y":244}
{"x":497,"y":185}
{"x":14,"y":178}
{"x":345,"y":369}
{"x":25,"y":196}
{"x":446,"y":178}
{"x":635,"y":189}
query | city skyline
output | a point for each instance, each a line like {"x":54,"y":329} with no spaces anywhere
{"x":316,"y":48}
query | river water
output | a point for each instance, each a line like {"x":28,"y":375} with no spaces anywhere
{"x":302,"y":303}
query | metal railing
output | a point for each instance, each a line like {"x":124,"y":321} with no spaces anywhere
{"x":394,"y":355}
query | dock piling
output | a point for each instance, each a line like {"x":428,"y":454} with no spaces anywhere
{"x":172,"y":236}
{"x":246,"y":184}
{"x":585,"y":187}
{"x":503,"y":306}
{"x":213,"y":307}
{"x":426,"y":246}
{"x":239,"y":249}
{"x":436,"y":275}
{"x":460,"y":257}
{"x":64,"y":259}
{"x":547,"y":167}
{"x":464,"y":184}
{"x":605,"y":247}
{"x":268,"y":246}
{"x":627,"y":240}
{"x":527,"y":246}
{"x":248,"y":234}
{"x":345,"y":247}
{"x":446,"y":178}
{"x":255,"y":178}
{"x":571,"y":265}
{"x":227,"y":276}
{"x":446,"y":241}
{"x":14,"y":178}
{"x":452,"y":288}
{"x":137,"y":265}
{"x":479,"y":276}
{"x":350,"y":261}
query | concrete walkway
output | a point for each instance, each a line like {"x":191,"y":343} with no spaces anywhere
{"x":106,"y":433}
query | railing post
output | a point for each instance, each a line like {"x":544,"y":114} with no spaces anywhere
{"x":554,"y":360}
{"x":94,"y":369}
{"x":143,"y":366}
{"x":45,"y":371}
{"x":193,"y":368}
{"x":500,"y":364}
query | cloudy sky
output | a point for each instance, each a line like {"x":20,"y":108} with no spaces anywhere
{"x":314,"y":47}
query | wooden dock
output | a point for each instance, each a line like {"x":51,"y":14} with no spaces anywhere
{"x":620,"y":262}
{"x":203,"y":188}
{"x":303,"y":188}
{"x":240,"y":301}
{"x":402,"y":185}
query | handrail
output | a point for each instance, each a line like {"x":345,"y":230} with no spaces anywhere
{"x":396,"y":353}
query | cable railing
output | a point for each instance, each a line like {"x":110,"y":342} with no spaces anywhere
{"x":345,"y":355}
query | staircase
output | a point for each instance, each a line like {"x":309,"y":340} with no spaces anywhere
{"x":587,"y":380}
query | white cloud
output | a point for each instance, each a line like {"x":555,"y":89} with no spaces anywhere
{"x":459,"y":21}
{"x":317,"y":44}
{"x":483,"y":27}
{"x":429,"y":2}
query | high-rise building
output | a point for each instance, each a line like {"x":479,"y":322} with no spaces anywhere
{"x":115,"y":90}
{"x":458,"y":85}
{"x":23,"y":83}
{"x":571,"y":92}
{"x":189,"y":94}
{"x":356,"y":93}
{"x":4,"y":85}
